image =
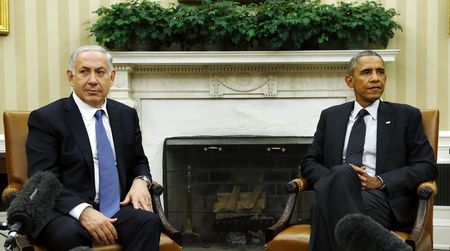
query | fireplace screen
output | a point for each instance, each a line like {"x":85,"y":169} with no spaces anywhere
{"x":224,"y":191}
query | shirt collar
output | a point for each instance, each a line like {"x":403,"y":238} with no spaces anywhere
{"x":372,"y":109}
{"x":87,"y":111}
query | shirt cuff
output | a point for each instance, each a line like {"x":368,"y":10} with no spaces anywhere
{"x":76,"y":211}
{"x":382,"y":183}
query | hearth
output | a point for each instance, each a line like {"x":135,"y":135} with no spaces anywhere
{"x":225,"y":190}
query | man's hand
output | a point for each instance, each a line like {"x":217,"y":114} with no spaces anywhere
{"x":367,"y":182}
{"x":99,"y":226}
{"x":139,"y":196}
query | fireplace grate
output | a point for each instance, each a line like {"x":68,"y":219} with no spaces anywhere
{"x":244,"y":223}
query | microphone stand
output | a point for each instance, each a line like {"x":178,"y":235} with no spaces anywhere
{"x":17,"y":241}
{"x":11,"y":242}
{"x":14,"y":240}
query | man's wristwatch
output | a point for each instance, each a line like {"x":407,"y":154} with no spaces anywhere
{"x":382,"y":183}
{"x":146,"y":179}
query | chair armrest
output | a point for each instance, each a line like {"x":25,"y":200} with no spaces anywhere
{"x":10,"y":192}
{"x":427,"y":189}
{"x":293,"y":187}
{"x":298,"y":185}
{"x":426,"y":193}
{"x":156,"y":190}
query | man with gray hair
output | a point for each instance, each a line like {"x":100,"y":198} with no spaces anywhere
{"x":368,"y":156}
{"x":93,"y":145}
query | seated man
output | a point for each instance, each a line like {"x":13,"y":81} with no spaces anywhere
{"x":93,"y":144}
{"x":368,"y":156}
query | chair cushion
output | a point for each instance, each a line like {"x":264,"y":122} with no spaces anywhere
{"x":296,"y":238}
{"x":402,"y":235}
{"x":293,"y":238}
{"x":167,"y":244}
{"x":115,"y":247}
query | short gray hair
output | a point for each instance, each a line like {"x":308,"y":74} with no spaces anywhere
{"x":85,"y":48}
{"x":354,"y":60}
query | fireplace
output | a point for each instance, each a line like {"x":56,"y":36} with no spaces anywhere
{"x":269,"y":93}
{"x":208,"y":173}
{"x":276,"y":95}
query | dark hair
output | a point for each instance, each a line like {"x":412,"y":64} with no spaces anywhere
{"x":354,"y":60}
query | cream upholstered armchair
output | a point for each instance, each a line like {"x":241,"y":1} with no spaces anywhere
{"x":283,"y":236}
{"x":16,"y":132}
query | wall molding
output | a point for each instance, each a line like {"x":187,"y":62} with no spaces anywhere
{"x":2,"y":143}
{"x":444,"y":147}
{"x":441,"y":227}
{"x":233,"y":58}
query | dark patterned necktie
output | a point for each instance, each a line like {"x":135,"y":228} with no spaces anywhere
{"x":355,"y":146}
{"x":109,"y":192}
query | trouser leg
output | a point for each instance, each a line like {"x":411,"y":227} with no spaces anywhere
{"x":138,"y":229}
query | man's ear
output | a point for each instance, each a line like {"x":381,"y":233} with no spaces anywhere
{"x":69,"y":76}
{"x":113,"y":75}
{"x":349,"y":81}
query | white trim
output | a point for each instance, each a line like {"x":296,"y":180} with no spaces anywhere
{"x":444,"y":147}
{"x":241,"y":57}
{"x":441,"y":227}
{"x":2,"y":143}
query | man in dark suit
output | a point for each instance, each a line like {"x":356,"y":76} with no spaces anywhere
{"x":394,"y":158}
{"x":63,"y":139}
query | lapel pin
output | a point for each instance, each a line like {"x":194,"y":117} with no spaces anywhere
{"x":388,"y":122}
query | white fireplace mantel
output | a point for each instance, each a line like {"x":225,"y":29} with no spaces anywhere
{"x":191,"y":58}
{"x":276,"y":93}
{"x":232,"y":74}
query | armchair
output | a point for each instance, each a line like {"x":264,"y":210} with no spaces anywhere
{"x":283,"y":236}
{"x":16,"y":131}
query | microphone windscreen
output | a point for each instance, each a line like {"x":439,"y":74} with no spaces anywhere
{"x":34,"y":201}
{"x":358,"y":232}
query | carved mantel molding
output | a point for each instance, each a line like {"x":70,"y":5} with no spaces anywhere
{"x":190,"y":58}
{"x":232,"y":74}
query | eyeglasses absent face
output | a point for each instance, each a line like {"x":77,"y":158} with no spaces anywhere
{"x":91,"y":80}
{"x":368,"y":79}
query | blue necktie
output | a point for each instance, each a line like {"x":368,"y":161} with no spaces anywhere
{"x":109,"y":193}
{"x":355,"y":146}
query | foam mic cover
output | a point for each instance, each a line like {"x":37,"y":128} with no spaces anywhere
{"x":28,"y":211}
{"x":358,"y":232}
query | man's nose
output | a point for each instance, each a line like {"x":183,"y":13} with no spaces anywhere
{"x":375,"y":76}
{"x":92,"y":78}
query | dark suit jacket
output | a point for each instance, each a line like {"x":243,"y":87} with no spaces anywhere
{"x":58,"y":142}
{"x":404,"y":156}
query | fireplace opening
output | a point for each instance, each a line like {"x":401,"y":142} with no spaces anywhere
{"x":226,"y":190}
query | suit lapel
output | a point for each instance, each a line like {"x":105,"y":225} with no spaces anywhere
{"x":115,"y":122}
{"x":76,"y":125}
{"x":385,"y":124}
{"x":339,"y":125}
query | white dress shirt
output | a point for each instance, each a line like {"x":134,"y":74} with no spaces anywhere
{"x":370,"y":145}
{"x":87,"y":113}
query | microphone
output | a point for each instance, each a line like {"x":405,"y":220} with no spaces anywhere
{"x":28,"y":211}
{"x":358,"y":232}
